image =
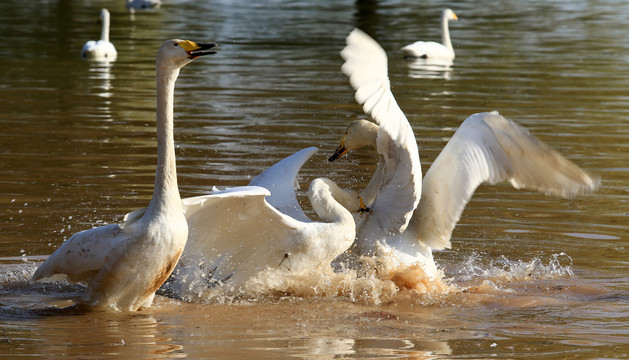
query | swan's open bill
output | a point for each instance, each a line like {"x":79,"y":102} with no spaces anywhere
{"x":431,"y":49}
{"x":235,"y":233}
{"x":103,"y":49}
{"x":124,"y":264}
{"x":487,"y":148}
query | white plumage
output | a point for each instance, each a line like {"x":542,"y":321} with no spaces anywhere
{"x":431,"y":49}
{"x":487,"y":148}
{"x":100,"y":50}
{"x":236,"y":233}
{"x":124,"y":264}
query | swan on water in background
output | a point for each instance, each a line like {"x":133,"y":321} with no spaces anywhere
{"x":487,"y":148}
{"x":124,"y":264}
{"x":235,"y":234}
{"x":431,"y":49}
{"x":133,"y":5}
{"x":100,"y":50}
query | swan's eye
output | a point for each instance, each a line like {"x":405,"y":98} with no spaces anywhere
{"x":176,"y":44}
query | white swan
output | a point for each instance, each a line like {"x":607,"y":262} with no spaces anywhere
{"x":235,"y":234}
{"x":431,"y":49}
{"x":124,"y":264}
{"x":133,"y":5}
{"x":101,"y":50}
{"x":487,"y":148}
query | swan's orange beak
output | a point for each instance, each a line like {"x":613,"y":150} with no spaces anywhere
{"x":340,"y":151}
{"x":455,"y":17}
{"x":195,"y":50}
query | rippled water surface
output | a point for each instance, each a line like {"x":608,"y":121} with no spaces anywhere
{"x":530,"y":275}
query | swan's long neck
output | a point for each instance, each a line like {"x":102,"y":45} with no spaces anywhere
{"x":104,"y":32}
{"x":166,"y":193}
{"x":445,"y":32}
{"x":326,"y":198}
{"x":371,"y":190}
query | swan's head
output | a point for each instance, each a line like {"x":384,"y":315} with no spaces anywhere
{"x":177,"y":53}
{"x":104,"y":15}
{"x":449,"y":15}
{"x":358,"y":134}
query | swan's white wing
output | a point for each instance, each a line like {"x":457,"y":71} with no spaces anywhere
{"x":235,"y":233}
{"x":400,"y":190}
{"x":281,"y":180}
{"x":83,"y":254}
{"x":489,"y":148}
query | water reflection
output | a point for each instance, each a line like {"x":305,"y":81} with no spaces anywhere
{"x":556,"y":66}
{"x":431,"y":68}
{"x":100,"y":76}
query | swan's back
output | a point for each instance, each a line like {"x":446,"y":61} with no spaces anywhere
{"x":427,"y":50}
{"x":99,"y":50}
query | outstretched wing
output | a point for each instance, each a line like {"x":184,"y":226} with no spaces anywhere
{"x":233,"y":234}
{"x":400,"y":189}
{"x":281,"y":180}
{"x":487,"y":148}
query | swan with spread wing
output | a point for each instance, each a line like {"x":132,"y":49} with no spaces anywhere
{"x":235,"y":234}
{"x":487,"y":148}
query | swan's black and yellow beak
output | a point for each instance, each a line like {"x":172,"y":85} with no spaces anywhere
{"x":195,"y":50}
{"x":340,"y":151}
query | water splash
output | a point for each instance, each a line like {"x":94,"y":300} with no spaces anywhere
{"x":369,"y":280}
{"x":366,"y":280}
{"x":504,"y":270}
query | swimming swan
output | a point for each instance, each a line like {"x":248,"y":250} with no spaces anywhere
{"x":133,"y":5}
{"x":431,"y":49}
{"x":101,"y":50}
{"x":235,"y":234}
{"x":124,"y":264}
{"x":487,"y":148}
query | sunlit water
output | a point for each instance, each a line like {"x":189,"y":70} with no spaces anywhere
{"x":528,"y":275}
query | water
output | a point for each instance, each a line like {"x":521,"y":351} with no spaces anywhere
{"x":531,"y":276}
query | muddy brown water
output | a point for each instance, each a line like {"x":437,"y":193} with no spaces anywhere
{"x":529,"y":275}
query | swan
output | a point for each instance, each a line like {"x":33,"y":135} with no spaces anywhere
{"x":101,"y":50}
{"x":235,"y":234}
{"x":487,"y":148}
{"x":124,"y":264}
{"x":431,"y":49}
{"x":133,"y":5}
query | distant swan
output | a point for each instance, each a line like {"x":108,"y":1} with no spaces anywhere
{"x":487,"y":148}
{"x":431,"y":49}
{"x":101,"y":50}
{"x":124,"y":264}
{"x":235,"y":234}
{"x":133,"y":5}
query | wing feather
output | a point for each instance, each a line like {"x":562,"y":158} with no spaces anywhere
{"x":83,"y":254}
{"x":400,"y":190}
{"x":487,"y":148}
{"x":235,"y":233}
{"x":281,"y":180}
